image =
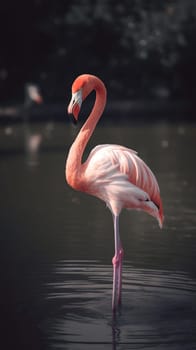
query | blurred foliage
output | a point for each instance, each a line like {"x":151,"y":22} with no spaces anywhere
{"x":141,"y":49}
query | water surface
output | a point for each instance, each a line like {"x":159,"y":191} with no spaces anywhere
{"x":57,"y":246}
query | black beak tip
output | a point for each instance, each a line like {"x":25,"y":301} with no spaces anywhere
{"x":73,"y":120}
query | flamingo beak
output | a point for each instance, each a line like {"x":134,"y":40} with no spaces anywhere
{"x":75,"y":104}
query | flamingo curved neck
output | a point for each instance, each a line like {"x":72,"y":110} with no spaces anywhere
{"x":74,"y":160}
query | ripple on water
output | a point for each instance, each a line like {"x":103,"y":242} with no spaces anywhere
{"x":158,"y":311}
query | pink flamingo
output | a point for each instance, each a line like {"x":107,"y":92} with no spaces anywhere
{"x":112,"y":173}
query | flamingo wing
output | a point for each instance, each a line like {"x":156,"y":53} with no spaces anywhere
{"x":118,"y":176}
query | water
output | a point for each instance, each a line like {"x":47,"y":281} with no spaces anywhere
{"x":57,"y":246}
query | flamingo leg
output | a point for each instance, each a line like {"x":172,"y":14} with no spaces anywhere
{"x":121,"y":254}
{"x":117,"y":266}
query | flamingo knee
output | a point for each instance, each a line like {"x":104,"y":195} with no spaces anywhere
{"x":117,"y":259}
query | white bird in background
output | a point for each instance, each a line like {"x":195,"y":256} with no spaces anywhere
{"x":32,"y":140}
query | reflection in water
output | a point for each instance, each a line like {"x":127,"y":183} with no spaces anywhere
{"x":32,"y":147}
{"x":159,"y":308}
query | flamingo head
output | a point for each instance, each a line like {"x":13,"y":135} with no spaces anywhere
{"x":81,"y":88}
{"x":75,"y":104}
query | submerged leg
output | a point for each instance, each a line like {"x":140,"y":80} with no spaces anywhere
{"x":117,"y":266}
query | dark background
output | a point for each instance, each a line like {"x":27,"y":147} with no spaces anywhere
{"x":141,"y":49}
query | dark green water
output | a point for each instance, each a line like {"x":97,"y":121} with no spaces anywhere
{"x":57,"y":246}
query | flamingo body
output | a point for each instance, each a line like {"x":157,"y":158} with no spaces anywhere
{"x":119,"y":177}
{"x":113,"y":173}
